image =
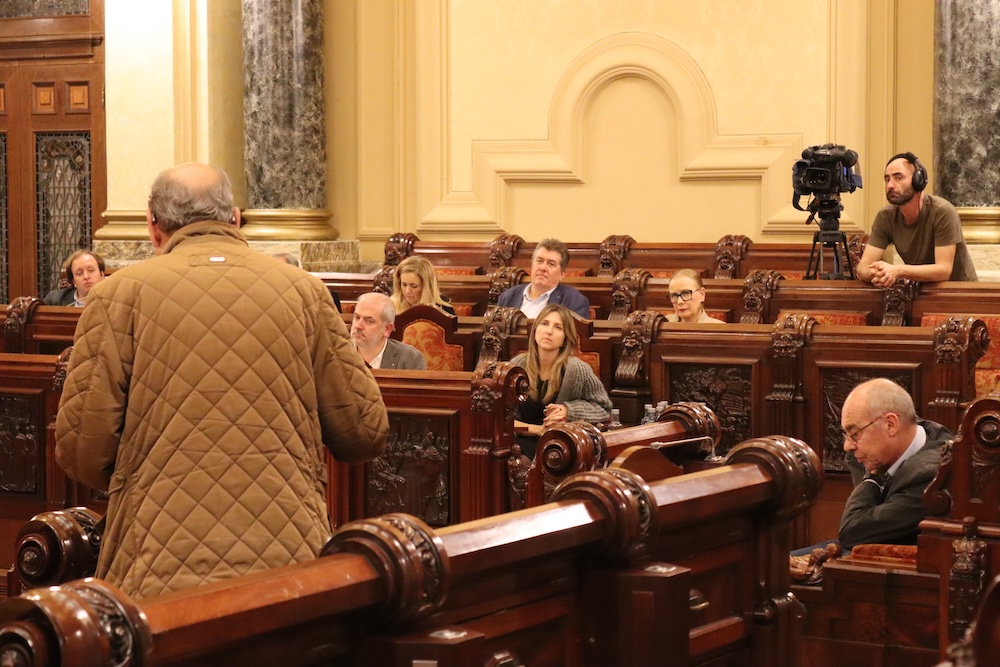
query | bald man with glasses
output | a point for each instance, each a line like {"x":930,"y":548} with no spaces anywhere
{"x":893,"y":456}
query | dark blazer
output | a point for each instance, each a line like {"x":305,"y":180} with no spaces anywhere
{"x":64,"y":296}
{"x":891,"y":516}
{"x":564,"y":295}
{"x":401,"y":356}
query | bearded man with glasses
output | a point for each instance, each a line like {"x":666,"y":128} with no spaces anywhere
{"x":893,"y":456}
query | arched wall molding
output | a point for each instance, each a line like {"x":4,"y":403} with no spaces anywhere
{"x":703,"y":154}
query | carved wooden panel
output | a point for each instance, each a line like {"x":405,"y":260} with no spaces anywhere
{"x":412,"y":476}
{"x":78,"y":97}
{"x":22,"y":443}
{"x":837,"y":383}
{"x":727,"y":390}
{"x":44,"y":98}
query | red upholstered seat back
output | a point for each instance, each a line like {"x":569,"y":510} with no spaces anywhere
{"x":429,"y":338}
{"x":856,"y":318}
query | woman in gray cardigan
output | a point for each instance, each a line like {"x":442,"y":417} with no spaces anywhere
{"x":562,"y":387}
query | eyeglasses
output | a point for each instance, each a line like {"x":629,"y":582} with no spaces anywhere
{"x":684,"y":295}
{"x":857,"y":434}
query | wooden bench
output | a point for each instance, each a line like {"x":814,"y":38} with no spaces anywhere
{"x":732,"y":256}
{"x":905,"y":611}
{"x":692,"y":567}
{"x":33,"y":328}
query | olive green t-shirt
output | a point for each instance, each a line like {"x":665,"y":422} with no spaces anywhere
{"x":937,"y":224}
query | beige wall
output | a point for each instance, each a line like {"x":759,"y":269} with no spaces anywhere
{"x":671,"y":121}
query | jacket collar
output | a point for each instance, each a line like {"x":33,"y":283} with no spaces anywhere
{"x":200,"y":230}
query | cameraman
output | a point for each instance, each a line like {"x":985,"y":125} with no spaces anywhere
{"x":925,"y":230}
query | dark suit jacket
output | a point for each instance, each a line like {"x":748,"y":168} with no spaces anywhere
{"x":891,"y":516}
{"x":63,"y":296}
{"x":564,"y":295}
{"x":401,"y":356}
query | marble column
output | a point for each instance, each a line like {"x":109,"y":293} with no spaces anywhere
{"x":966,"y":121}
{"x":283,"y":114}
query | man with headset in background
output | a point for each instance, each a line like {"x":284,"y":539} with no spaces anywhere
{"x":925,"y":230}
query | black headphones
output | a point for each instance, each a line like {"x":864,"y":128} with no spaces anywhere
{"x":919,"y":181}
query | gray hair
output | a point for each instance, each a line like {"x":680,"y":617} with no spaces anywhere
{"x":388,"y":310}
{"x":881,"y":396}
{"x":175,"y":203}
{"x":553,"y":245}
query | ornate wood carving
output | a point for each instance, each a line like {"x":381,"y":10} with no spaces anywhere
{"x":898,"y":300}
{"x":726,"y":389}
{"x":794,"y":467}
{"x":567,"y":449}
{"x":968,"y":575}
{"x":62,"y":366}
{"x":628,"y":504}
{"x":412,"y":475}
{"x":382,"y":282}
{"x":637,"y":334}
{"x":409,"y":555}
{"x":614,"y":250}
{"x":628,"y":284}
{"x":700,"y":421}
{"x":758,"y":287}
{"x":82,"y":618}
{"x":502,"y":250}
{"x":503,"y":279}
{"x":856,"y":247}
{"x":399,"y":247}
{"x":959,"y":343}
{"x":498,"y":325}
{"x":973,"y":456}
{"x":55,"y":547}
{"x":18,"y":312}
{"x":789,"y":335}
{"x":729,"y":252}
{"x":22,"y":444}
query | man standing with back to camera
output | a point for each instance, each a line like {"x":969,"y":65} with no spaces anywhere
{"x":202,"y":388}
{"x":925,"y":230}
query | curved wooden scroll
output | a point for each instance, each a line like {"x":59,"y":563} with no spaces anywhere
{"x":503,"y":279}
{"x":498,"y":324}
{"x":614,"y":250}
{"x":19,"y":312}
{"x":898,"y":302}
{"x":502,"y":251}
{"x":57,"y":547}
{"x":729,"y":252}
{"x":382,"y":282}
{"x":637,"y":334}
{"x":399,"y":247}
{"x":628,"y":284}
{"x":757,"y":290}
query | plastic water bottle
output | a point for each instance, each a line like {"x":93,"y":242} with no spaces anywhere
{"x":616,"y":419}
{"x":650,"y":415}
{"x":660,"y":407}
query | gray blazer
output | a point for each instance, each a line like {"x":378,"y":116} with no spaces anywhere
{"x":403,"y":357}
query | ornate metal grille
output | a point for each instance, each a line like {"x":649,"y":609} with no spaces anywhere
{"x":10,"y":9}
{"x":4,"y":206}
{"x":62,"y":195}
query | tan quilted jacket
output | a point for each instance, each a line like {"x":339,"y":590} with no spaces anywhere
{"x":202,"y":386}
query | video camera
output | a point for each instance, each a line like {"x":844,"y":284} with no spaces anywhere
{"x":824,"y":172}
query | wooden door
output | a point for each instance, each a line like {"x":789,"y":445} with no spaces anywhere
{"x":53,"y":180}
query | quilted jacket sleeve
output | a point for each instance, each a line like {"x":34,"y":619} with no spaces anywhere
{"x":351,"y":412}
{"x":92,"y":408}
{"x":585,"y":397}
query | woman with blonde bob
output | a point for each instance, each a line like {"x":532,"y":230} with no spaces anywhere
{"x":562,"y":386}
{"x":687,"y":294}
{"x":414,"y":283}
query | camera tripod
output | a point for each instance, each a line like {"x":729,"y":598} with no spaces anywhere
{"x":842,"y":267}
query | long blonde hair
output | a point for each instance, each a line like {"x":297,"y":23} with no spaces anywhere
{"x":570,"y":344}
{"x":430,"y":293}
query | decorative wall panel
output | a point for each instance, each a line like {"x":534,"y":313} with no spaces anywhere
{"x":412,"y":475}
{"x":727,"y":390}
{"x":22,"y":443}
{"x":63,"y":204}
